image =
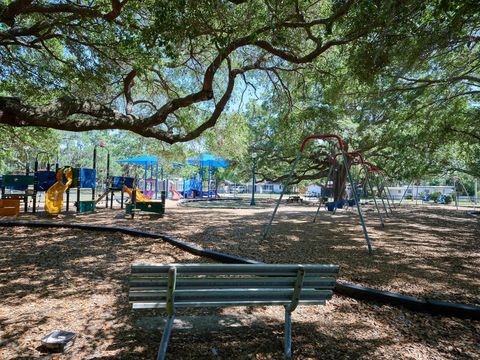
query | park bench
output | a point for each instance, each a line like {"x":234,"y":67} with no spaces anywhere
{"x":294,"y":198}
{"x":172,"y":286}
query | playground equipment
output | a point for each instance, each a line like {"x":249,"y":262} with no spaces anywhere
{"x":140,"y":202}
{"x":46,"y":179}
{"x":329,"y":206}
{"x":343,"y":151}
{"x":339,"y":204}
{"x":28,"y":184}
{"x":148,"y":185}
{"x":382,"y":189}
{"x":149,"y":163}
{"x":138,"y":194}
{"x":112,"y":184}
{"x":54,"y":195}
{"x":326,"y":191}
{"x":115,"y":184}
{"x":43,"y":179}
{"x":192,"y":187}
{"x":208,"y":163}
{"x":149,"y":188}
{"x":175,"y":194}
{"x":369,"y":168}
{"x":23,"y":186}
{"x":19,"y":183}
{"x":458,"y":181}
{"x":83,"y":178}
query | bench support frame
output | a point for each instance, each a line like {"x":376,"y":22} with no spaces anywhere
{"x":167,"y":331}
{"x":287,"y":344}
{"x":172,"y":280}
{"x":169,"y":306}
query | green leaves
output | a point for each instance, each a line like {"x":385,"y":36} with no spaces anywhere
{"x":20,"y":145}
{"x":400,"y":82}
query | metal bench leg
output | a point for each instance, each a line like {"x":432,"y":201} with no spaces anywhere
{"x":287,"y":343}
{"x":162,"y":351}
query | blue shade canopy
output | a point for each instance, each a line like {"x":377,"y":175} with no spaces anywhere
{"x":208,"y":160}
{"x":141,"y":160}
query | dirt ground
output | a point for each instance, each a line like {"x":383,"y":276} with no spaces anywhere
{"x":78,"y":281}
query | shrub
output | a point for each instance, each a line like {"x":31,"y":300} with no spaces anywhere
{"x":435,"y":195}
{"x":449,"y":198}
{"x":409,"y":197}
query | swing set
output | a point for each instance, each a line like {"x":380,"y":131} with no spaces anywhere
{"x":358,"y":160}
{"x":343,"y":151}
{"x":379,"y":182}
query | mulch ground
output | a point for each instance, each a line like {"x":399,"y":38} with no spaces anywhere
{"x":78,"y":281}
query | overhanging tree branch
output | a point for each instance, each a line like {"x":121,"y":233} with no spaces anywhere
{"x":77,"y":114}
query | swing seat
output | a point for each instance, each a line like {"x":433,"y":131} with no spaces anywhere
{"x":441,"y":200}
{"x":351,"y":202}
{"x":331,"y":206}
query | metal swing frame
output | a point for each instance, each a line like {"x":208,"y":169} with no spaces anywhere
{"x":343,"y":151}
{"x":380,"y":182}
{"x":330,"y":171}
{"x":356,"y":154}
{"x":457,"y":180}
{"x":405,"y":192}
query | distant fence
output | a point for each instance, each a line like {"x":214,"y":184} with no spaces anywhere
{"x":462,"y":198}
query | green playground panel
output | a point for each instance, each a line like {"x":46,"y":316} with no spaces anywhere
{"x":86,"y":206}
{"x":155,"y":207}
{"x":17,"y":180}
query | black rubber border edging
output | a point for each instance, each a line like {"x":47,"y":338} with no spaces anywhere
{"x":434,"y":307}
{"x":431,"y":306}
{"x":189,"y":247}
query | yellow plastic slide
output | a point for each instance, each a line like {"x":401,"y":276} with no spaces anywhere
{"x":138,"y":194}
{"x":54,"y":195}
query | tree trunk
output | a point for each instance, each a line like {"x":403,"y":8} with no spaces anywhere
{"x":339,"y":182}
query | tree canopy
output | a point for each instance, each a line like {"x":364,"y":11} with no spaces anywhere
{"x":398,"y":79}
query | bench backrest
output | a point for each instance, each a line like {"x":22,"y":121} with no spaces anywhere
{"x":200,"y":285}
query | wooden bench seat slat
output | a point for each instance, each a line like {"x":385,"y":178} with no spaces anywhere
{"x":229,"y":292}
{"x":201,"y":296}
{"x":146,"y":283}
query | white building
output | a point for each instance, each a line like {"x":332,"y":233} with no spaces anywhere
{"x":418,"y":191}
{"x":314,"y":190}
{"x":266,"y":187}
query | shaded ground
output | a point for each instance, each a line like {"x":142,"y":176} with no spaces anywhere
{"x":77,"y":280}
{"x":424,"y":251}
